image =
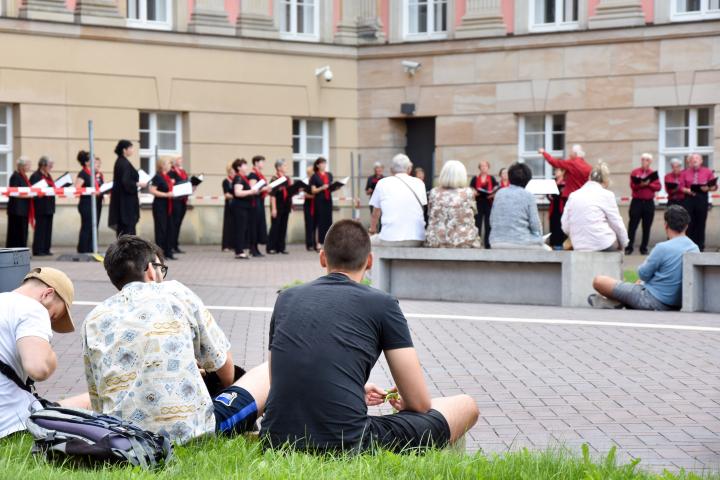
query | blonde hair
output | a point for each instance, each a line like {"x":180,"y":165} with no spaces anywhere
{"x":647,"y":155}
{"x":600,"y":173}
{"x":453,"y":175}
{"x":160,"y":162}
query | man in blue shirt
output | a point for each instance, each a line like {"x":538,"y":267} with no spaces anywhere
{"x":660,"y":284}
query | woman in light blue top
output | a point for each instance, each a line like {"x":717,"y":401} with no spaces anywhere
{"x":514,"y":220}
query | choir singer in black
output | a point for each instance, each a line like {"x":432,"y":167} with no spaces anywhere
{"x":20,"y":210}
{"x":280,"y":208}
{"x":228,"y":237}
{"x":84,"y":180}
{"x":44,"y":209}
{"x":124,"y":200}
{"x":161,"y":187}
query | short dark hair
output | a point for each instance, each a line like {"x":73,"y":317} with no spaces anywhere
{"x":347,"y":245}
{"x":121,"y":146}
{"x":239,"y":162}
{"x":677,"y":218}
{"x":83,"y":157}
{"x":317,"y":163}
{"x":519,"y":174}
{"x":258,"y":158}
{"x":127,"y":258}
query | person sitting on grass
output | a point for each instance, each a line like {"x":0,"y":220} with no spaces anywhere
{"x":660,"y":284}
{"x":325,"y":338}
{"x":146,"y":348}
{"x":28,"y":316}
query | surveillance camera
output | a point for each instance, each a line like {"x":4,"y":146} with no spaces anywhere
{"x":326,"y":73}
{"x":411,"y":67}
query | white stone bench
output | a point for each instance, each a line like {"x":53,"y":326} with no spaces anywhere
{"x":701,"y":282}
{"x":530,"y":277}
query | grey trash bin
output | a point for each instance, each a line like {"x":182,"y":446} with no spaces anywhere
{"x":14,"y":265}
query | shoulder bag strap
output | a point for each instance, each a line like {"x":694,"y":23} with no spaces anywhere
{"x":411,"y":190}
{"x":8,"y":371}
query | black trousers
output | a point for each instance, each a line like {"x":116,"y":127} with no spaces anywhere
{"x":164,"y":230}
{"x":278,"y":231}
{"x":178,"y":214}
{"x":85,"y":238}
{"x":257,"y":227}
{"x":697,"y":207}
{"x":483,"y":219}
{"x":228,"y":238}
{"x":43,"y":235}
{"x":241,"y":220}
{"x":309,"y":225}
{"x":323,"y":219}
{"x":557,"y":236}
{"x":17,"y":231}
{"x":641,"y":210}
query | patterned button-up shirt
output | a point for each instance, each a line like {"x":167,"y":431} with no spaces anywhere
{"x":142,"y":348}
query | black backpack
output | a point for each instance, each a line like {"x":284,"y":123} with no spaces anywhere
{"x":92,"y":438}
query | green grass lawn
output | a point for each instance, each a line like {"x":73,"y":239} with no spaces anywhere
{"x":243,"y":458}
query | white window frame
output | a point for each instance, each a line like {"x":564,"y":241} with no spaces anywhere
{"x":143,"y":22}
{"x":704,"y":14}
{"x":303,"y":157}
{"x":153,"y":136}
{"x":6,"y":144}
{"x":681,"y":152}
{"x":556,"y":26}
{"x":524,"y":155}
{"x":429,"y":35}
{"x":292,"y":33}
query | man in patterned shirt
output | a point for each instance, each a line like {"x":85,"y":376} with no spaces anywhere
{"x":146,"y":347}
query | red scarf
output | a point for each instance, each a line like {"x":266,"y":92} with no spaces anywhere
{"x":87,"y":170}
{"x":260,"y":177}
{"x":285,"y":187}
{"x":48,"y":179}
{"x":503,"y":184}
{"x":487,"y":184}
{"x":99,"y":178}
{"x":180,"y":172}
{"x":170,"y":183}
{"x":31,"y":211}
{"x":326,"y":181}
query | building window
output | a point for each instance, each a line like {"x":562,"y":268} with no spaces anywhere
{"x":685,"y":10}
{"x":553,"y":15}
{"x":545,"y":131}
{"x":684,"y":131}
{"x":426,"y":19}
{"x":160,"y":135}
{"x":310,"y":140}
{"x":155,"y":14}
{"x":300,"y":19}
{"x":6,"y":144}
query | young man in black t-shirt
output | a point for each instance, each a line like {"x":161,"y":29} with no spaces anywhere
{"x":325,"y":338}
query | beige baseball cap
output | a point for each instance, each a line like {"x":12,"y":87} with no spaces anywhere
{"x":63,"y":286}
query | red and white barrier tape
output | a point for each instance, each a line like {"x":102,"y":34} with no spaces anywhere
{"x":29,"y":192}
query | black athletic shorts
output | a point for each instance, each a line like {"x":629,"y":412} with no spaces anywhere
{"x":407,"y":431}
{"x":235,"y":411}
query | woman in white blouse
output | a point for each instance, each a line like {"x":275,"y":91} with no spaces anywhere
{"x":591,"y":217}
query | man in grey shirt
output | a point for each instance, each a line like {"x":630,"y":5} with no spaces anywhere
{"x":514,"y":220}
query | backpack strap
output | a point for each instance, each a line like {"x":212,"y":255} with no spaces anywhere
{"x":9,"y":372}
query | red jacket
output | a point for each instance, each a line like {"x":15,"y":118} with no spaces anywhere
{"x":577,"y":172}
{"x":676,"y":193}
{"x":644,"y":192}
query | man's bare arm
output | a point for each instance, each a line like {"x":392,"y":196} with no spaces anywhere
{"x":408,"y":375}
{"x":37,"y":357}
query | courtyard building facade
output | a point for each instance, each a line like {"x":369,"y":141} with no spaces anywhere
{"x":471,"y":80}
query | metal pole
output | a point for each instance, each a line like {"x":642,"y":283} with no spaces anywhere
{"x":352,"y":184}
{"x":359,"y":179}
{"x":93,"y":198}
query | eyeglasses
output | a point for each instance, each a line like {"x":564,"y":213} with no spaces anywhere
{"x":163,"y":268}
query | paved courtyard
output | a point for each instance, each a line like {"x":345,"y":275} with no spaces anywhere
{"x":540,"y":376}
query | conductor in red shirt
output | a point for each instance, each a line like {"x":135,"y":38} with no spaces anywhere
{"x":696,"y":181}
{"x":644,"y":183}
{"x":577,"y":170}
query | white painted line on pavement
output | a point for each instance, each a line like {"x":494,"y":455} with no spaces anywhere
{"x":472,"y":318}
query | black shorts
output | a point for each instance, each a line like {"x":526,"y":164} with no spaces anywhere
{"x":235,"y":411}
{"x":407,"y":431}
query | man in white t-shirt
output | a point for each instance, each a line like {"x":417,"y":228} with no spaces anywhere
{"x":28,"y":315}
{"x":399,"y":200}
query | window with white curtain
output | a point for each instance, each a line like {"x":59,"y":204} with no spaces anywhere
{"x":310,"y":140}
{"x":684,"y":131}
{"x":552,"y":15}
{"x":300,"y":19}
{"x":426,"y":19}
{"x":160,"y":135}
{"x":686,"y":10}
{"x":536,"y":131}
{"x":150,"y":14}
{"x":6,"y":144}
